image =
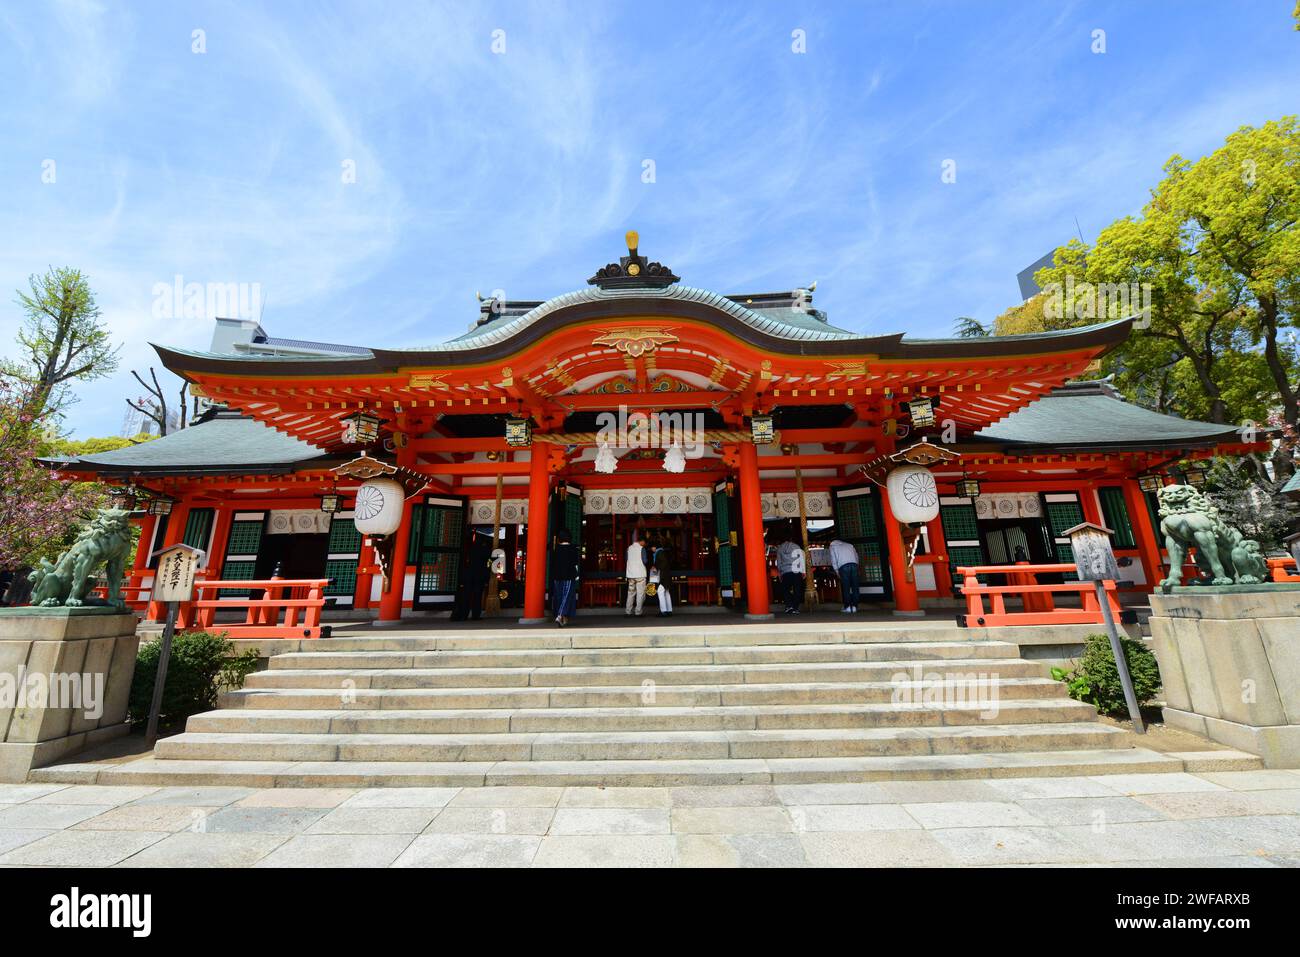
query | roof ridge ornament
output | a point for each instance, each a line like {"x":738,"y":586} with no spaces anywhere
{"x":633,"y":270}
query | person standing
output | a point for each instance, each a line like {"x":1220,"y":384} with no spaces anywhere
{"x":635,"y":571}
{"x":663,"y":567}
{"x":844,"y":559}
{"x":566,"y":568}
{"x":790,"y":563}
{"x":475,"y":572}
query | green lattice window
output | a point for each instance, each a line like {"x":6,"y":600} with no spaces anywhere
{"x":722,"y":526}
{"x":856,"y":517}
{"x":245,"y":537}
{"x":573,"y":517}
{"x":1114,"y":512}
{"x":238,"y":572}
{"x":433,"y":527}
{"x":1065,"y":555}
{"x":438,"y":573}
{"x":871,"y":569}
{"x":964,"y":556}
{"x":1063,"y":515}
{"x":342,"y":573}
{"x":344,"y":537}
{"x":198,"y":526}
{"x":959,"y":523}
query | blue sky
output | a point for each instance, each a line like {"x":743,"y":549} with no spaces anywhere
{"x":521,"y":170}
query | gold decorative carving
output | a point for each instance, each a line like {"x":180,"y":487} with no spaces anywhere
{"x":634,"y":342}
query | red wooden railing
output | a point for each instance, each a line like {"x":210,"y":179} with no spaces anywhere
{"x":1038,"y":604}
{"x":1282,"y":570}
{"x":286,"y":608}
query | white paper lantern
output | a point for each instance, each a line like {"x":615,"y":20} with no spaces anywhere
{"x":379,"y":507}
{"x":913,"y":496}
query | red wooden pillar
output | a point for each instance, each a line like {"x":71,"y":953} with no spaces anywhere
{"x":216,"y":556}
{"x":757,"y":602}
{"x":939,"y":549}
{"x":906,"y":601}
{"x":148,"y":523}
{"x":176,"y":521}
{"x":365,"y":558}
{"x":539,"y":502}
{"x":1144,"y":532}
{"x":1091,"y":507}
{"x":390,"y":602}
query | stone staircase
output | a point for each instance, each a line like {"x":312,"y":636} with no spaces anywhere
{"x":689,"y":704}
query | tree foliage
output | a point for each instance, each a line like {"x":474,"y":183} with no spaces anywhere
{"x":61,"y":339}
{"x":38,"y":516}
{"x":1212,"y":267}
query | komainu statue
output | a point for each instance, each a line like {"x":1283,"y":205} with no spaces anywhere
{"x":105,"y":542}
{"x":1187,"y":519}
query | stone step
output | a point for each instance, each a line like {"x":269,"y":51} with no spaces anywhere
{"x":837,"y":671}
{"x":1010,"y":686}
{"x":647,"y":773}
{"x":639,"y":745}
{"x":633,"y":637}
{"x":617,"y":657}
{"x":735,"y":718}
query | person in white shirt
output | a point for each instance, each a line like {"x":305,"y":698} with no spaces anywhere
{"x":793,"y":565}
{"x":844,"y":559}
{"x":635,"y":571}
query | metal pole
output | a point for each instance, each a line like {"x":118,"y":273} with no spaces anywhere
{"x":160,"y":679}
{"x":1121,"y":663}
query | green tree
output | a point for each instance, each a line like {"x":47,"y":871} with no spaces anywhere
{"x":967,"y":328}
{"x":62,"y":340}
{"x":1212,"y":266}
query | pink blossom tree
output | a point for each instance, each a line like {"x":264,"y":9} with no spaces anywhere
{"x":38,"y":514}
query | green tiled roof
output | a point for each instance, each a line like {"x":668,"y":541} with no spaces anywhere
{"x":1292,"y":485}
{"x":1091,"y":415}
{"x":227,"y":442}
{"x":783,"y":323}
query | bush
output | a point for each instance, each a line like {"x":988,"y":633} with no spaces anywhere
{"x":1095,"y":679}
{"x":202,"y":666}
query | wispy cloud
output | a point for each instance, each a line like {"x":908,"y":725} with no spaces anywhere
{"x":477,"y":169}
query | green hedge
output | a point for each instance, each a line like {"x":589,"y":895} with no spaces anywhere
{"x":1095,"y":679}
{"x":202,"y":666}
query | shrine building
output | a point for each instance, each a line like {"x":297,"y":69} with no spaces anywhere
{"x":717,"y":424}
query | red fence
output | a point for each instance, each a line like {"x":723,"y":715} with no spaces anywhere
{"x":285,"y":608}
{"x":1038,"y":601}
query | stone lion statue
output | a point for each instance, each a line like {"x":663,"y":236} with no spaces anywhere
{"x":105,"y":542}
{"x":1187,"y":519}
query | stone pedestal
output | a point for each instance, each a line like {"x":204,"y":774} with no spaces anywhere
{"x":65,"y":676}
{"x":1230,"y":663}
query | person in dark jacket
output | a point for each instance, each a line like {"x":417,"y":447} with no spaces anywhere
{"x":566,"y":566}
{"x":474,"y":575}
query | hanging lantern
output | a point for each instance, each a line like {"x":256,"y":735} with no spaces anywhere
{"x":606,"y":460}
{"x":913,"y":495}
{"x":921,"y":411}
{"x":675,"y":459}
{"x":161,"y":505}
{"x":329,"y":502}
{"x":968,"y":487}
{"x":1150,"y":482}
{"x":361,"y":428}
{"x":1194,"y":474}
{"x":518,"y":432}
{"x":762,"y":428}
{"x":379,"y":507}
